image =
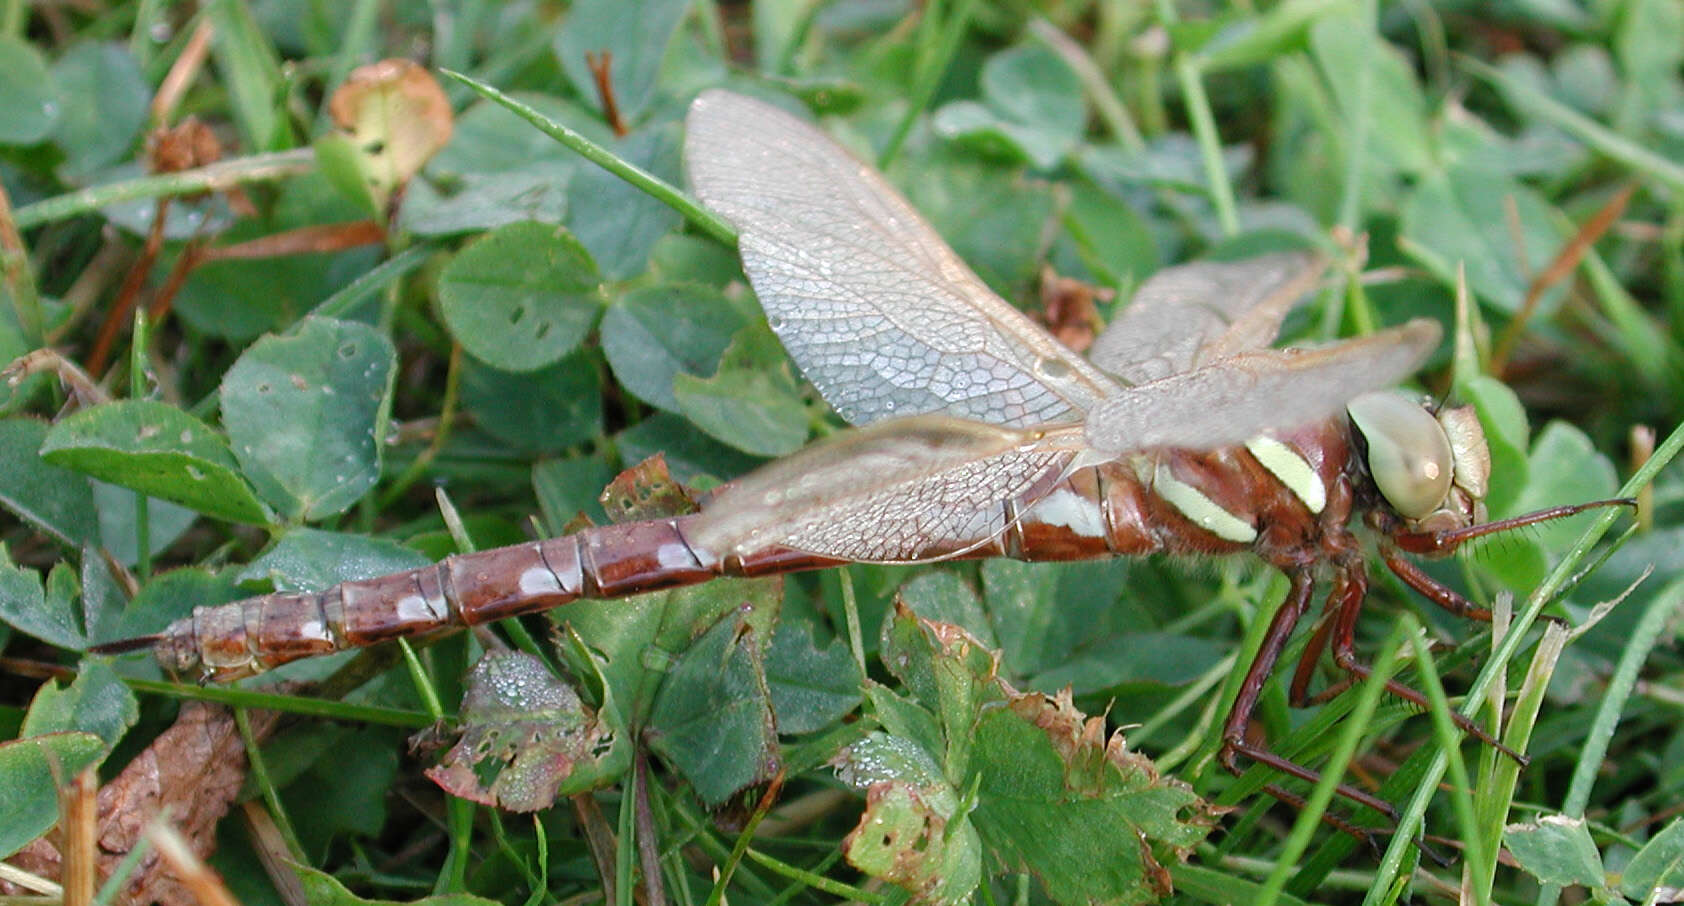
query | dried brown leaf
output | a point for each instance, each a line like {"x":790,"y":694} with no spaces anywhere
{"x":194,"y":769}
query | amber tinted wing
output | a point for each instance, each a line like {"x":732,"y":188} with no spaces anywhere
{"x":877,"y":311}
{"x":1238,"y":397}
{"x":1194,"y":314}
{"x":901,"y":490}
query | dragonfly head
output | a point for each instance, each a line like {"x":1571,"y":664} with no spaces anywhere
{"x":1431,"y":467}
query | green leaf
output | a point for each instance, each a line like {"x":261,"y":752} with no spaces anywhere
{"x":342,"y":164}
{"x":522,"y":297}
{"x":680,"y":258}
{"x":489,"y":138}
{"x":53,"y":500}
{"x":525,"y":738}
{"x":992,"y":217}
{"x":165,"y":522}
{"x":911,"y":833}
{"x":1054,"y":795}
{"x":541,"y":411}
{"x":104,"y":99}
{"x":156,"y":449}
{"x":307,"y":559}
{"x":1556,"y":850}
{"x":344,"y":793}
{"x":632,"y":34}
{"x":747,"y":404}
{"x":97,"y":701}
{"x":1044,"y":618}
{"x":173,"y":595}
{"x":812,"y":687}
{"x":1160,"y":658}
{"x":1506,"y":434}
{"x":1112,"y":238}
{"x":713,"y":717}
{"x":243,"y":298}
{"x":26,"y":606}
{"x":31,"y":772}
{"x":1563,"y":467}
{"x":1167,"y":162}
{"x":1447,"y":221}
{"x":639,"y":639}
{"x":693,"y":457}
{"x":486,"y":201}
{"x":306,"y":413}
{"x":1217,"y":885}
{"x":323,"y":889}
{"x":948,"y":671}
{"x":1091,"y":819}
{"x":103,"y":599}
{"x":652,"y":335}
{"x":1648,"y":54}
{"x":1344,"y":44}
{"x":1033,"y":106}
{"x":29,"y":101}
{"x":568,"y":487}
{"x":621,"y":243}
{"x":1659,"y":864}
{"x":942,"y":597}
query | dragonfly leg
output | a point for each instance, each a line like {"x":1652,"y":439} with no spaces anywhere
{"x":1235,"y":743}
{"x":1428,"y":587}
{"x":1298,"y":693}
{"x":1349,"y":590}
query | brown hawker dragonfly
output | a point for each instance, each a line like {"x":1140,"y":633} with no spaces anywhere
{"x":979,"y":435}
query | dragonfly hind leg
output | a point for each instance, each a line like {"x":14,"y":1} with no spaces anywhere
{"x":1235,"y":742}
{"x":1345,"y":601}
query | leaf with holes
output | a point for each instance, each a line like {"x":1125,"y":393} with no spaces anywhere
{"x":396,"y":116}
{"x":526,"y":739}
{"x":912,"y":832}
{"x":521,"y":297}
{"x":307,"y":559}
{"x":713,"y":716}
{"x":157,"y":449}
{"x":306,"y":412}
{"x":1051,"y":791}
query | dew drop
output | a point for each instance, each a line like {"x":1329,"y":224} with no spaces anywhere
{"x":1053,"y":368}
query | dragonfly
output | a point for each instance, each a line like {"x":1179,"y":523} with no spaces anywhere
{"x":977,"y":434}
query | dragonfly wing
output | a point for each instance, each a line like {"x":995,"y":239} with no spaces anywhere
{"x":1204,"y":311}
{"x":880,"y":315}
{"x":1239,"y":397}
{"x":898,"y":491}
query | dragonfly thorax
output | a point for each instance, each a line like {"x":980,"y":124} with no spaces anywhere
{"x":1430,"y":467}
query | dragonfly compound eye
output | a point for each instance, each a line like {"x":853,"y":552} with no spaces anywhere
{"x":1408,"y":455}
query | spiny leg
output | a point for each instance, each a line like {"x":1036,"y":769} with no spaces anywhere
{"x":1349,"y":590}
{"x":1431,"y":589}
{"x":1234,"y":742}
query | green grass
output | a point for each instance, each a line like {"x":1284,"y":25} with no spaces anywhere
{"x":1481,"y":155}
